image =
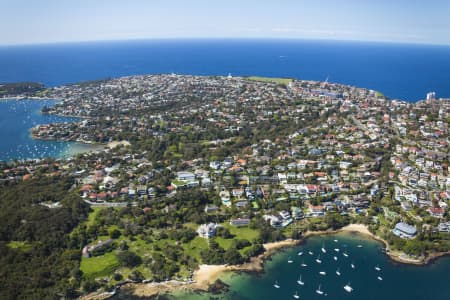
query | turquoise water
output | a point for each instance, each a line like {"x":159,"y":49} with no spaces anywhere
{"x":17,"y":117}
{"x":399,"y":281}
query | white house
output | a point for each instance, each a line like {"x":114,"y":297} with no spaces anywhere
{"x":185,"y":176}
{"x":207,"y":230}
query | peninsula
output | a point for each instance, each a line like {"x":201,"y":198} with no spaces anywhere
{"x":214,"y":171}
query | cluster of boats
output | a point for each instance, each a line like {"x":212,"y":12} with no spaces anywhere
{"x":27,"y":118}
{"x":335,"y":252}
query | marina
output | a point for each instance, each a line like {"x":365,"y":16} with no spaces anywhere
{"x":17,"y":117}
{"x":364,"y":282}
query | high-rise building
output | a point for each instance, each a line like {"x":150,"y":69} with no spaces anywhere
{"x":431,"y":96}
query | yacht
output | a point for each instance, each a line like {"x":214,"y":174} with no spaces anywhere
{"x":319,"y":291}
{"x":290,"y":261}
{"x":345,"y":254}
{"x":359,"y":246}
{"x":338,"y":273}
{"x":303,"y":264}
{"x":348,"y":288}
{"x":334,"y":257}
{"x":300,"y":253}
{"x":296,"y":296}
{"x":335,"y":241}
{"x":318,"y":259}
{"x":336,"y":249}
{"x":380,"y":278}
{"x":311,"y":253}
{"x":299,"y":281}
{"x":323,"y":273}
{"x":276,"y":285}
{"x":323,"y":249}
{"x":352,"y":265}
{"x":378,"y":268}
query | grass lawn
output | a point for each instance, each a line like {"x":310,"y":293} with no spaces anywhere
{"x":270,"y":79}
{"x":238,"y":233}
{"x":93,"y":216}
{"x":224,"y":243}
{"x":379,"y":95}
{"x":24,"y":246}
{"x":242,"y":232}
{"x":99,"y":266}
{"x":194,"y":247}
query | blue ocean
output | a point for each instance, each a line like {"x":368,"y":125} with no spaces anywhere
{"x":401,"y":71}
{"x":404,"y":72}
{"x":390,"y":281}
{"x":17,"y":117}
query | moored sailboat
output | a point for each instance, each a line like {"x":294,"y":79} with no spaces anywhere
{"x":300,"y":281}
{"x":319,"y":290}
{"x":318,"y":260}
{"x":348,"y":288}
{"x":276,"y":285}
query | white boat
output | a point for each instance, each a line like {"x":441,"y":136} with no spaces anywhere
{"x":311,"y":253}
{"x":338,"y":273}
{"x":276,"y":285}
{"x":345,"y":254}
{"x":336,"y":249}
{"x":334,"y":257}
{"x":335,"y":241}
{"x":359,"y":246}
{"x":300,"y":253}
{"x":318,"y":259}
{"x":303,"y":264}
{"x":290,"y":261}
{"x":380,"y":278}
{"x":323,"y":273}
{"x":377,"y":268}
{"x":352,"y":265}
{"x":323,"y":249}
{"x":299,"y":281}
{"x":348,"y":288}
{"x":296,"y":296}
{"x":319,"y":291}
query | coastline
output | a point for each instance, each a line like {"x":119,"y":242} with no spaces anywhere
{"x":21,"y":98}
{"x":206,"y":275}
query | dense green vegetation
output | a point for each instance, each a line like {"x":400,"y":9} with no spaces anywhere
{"x":152,"y":236}
{"x":283,"y":81}
{"x":20,"y":88}
{"x":36,"y":261}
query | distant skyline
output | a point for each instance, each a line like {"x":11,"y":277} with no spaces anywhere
{"x":56,"y":21}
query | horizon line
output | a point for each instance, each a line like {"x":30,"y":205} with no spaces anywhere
{"x":222,"y":38}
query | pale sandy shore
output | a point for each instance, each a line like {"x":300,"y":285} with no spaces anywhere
{"x":206,"y":275}
{"x":397,"y":256}
{"x":112,"y":145}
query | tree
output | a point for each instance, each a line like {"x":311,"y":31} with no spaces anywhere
{"x":90,"y":285}
{"x":115,"y":234}
{"x":129,"y":259}
{"x":232,"y":256}
{"x":136,"y":276}
{"x":223,"y":232}
{"x":254,"y":250}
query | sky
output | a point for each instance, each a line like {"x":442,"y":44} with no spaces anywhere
{"x":55,"y":21}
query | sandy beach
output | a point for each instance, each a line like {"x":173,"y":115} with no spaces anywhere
{"x":206,"y":275}
{"x":112,"y":145}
